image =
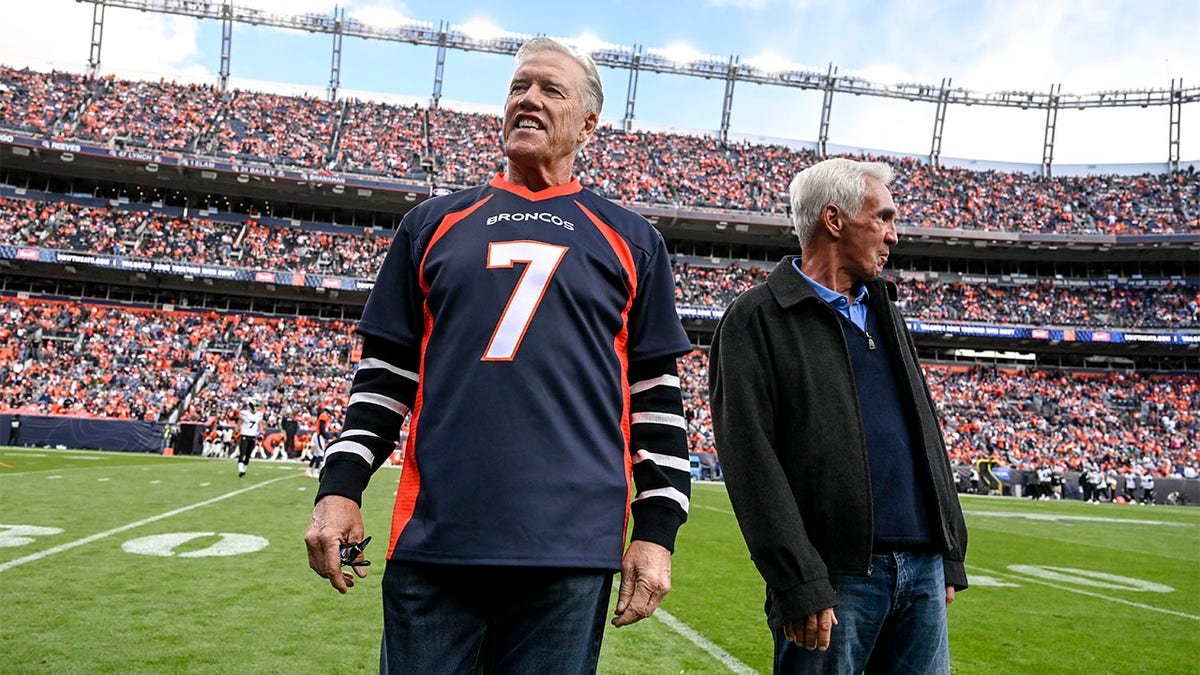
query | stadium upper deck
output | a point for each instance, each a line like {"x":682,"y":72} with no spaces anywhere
{"x":443,"y":148}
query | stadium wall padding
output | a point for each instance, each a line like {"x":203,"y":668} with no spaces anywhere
{"x":83,"y":432}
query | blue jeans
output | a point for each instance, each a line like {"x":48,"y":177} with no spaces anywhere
{"x":891,"y":621}
{"x":456,"y":619}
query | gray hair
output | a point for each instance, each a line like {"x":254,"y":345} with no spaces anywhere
{"x":594,"y":88}
{"x":841,"y":182}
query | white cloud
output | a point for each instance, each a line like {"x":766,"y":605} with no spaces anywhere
{"x":134,"y":44}
{"x":383,"y":16}
{"x":753,"y":5}
{"x":295,"y":6}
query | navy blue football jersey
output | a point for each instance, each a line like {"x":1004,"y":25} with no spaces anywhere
{"x":527,"y":309}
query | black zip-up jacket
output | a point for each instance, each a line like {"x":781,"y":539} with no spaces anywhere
{"x":789,"y":433}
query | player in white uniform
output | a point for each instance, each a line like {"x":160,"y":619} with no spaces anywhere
{"x":251,"y":428}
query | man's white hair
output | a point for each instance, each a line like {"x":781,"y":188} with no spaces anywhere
{"x":841,"y":182}
{"x":594,"y":88}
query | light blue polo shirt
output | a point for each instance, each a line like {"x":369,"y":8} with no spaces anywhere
{"x":857,"y":312}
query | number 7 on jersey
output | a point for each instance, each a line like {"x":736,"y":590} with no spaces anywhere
{"x":541,"y":260}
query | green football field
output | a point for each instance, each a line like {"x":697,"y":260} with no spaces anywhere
{"x":125,"y":563}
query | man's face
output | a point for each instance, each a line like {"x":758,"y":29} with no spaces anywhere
{"x":544,"y":116}
{"x":867,"y":237}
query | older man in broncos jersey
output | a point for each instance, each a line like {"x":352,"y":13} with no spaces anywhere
{"x":528,"y":327}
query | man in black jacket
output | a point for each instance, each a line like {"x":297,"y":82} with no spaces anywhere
{"x":831,"y":447}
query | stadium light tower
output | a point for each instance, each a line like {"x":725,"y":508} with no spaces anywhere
{"x":631,"y":92}
{"x":1173,"y":129}
{"x":97,"y":39}
{"x":226,"y":42}
{"x":483,"y":36}
{"x":335,"y":66}
{"x":826,"y":108}
{"x":1051,"y":127}
{"x":439,"y":70}
{"x":939,"y":122}
{"x":727,"y":105}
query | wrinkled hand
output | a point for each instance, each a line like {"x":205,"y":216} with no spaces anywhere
{"x":811,"y":632}
{"x":335,"y":521}
{"x":645,"y":580}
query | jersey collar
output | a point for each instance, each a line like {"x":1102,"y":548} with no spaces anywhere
{"x":570,"y":187}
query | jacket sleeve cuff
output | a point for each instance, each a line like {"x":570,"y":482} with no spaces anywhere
{"x":956,"y":574}
{"x":346,"y":477}
{"x":799,"y":601}
{"x":656,"y":525}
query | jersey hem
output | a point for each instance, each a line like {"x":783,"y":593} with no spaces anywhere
{"x":575,"y":563}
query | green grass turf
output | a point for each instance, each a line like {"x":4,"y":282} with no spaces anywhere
{"x":94,"y":608}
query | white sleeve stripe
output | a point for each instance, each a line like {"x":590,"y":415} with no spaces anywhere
{"x":348,"y":433}
{"x":661,"y":380}
{"x":352,"y":448}
{"x":680,"y":463}
{"x":659,"y":418}
{"x":668,"y":492}
{"x":379,"y":400}
{"x":373,"y":362}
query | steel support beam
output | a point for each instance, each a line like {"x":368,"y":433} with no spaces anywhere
{"x":97,"y":39}
{"x":226,"y":43}
{"x":631,"y":90}
{"x":939,"y":123}
{"x":727,"y":106}
{"x":826,"y":108}
{"x":439,"y":71}
{"x":335,"y":66}
{"x":1051,"y":125}
{"x":1173,"y":131}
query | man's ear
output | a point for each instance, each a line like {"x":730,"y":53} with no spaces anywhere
{"x":831,"y":220}
{"x":590,"y":121}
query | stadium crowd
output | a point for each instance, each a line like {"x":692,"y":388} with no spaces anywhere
{"x":381,"y":139}
{"x":39,"y":102}
{"x":133,"y":363}
{"x":122,"y":362}
{"x":160,"y":115}
{"x":699,"y":171}
{"x":1024,"y":418}
{"x":158,"y":236}
{"x":1044,"y":303}
{"x":293,"y":362}
{"x":359,"y":253}
{"x":281,"y":130}
{"x":78,"y":359}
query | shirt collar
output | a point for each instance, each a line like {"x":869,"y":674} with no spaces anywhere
{"x":829,"y":295}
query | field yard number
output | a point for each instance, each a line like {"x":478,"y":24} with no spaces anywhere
{"x":19,"y":535}
{"x":164,"y":545}
{"x":1078,"y":577}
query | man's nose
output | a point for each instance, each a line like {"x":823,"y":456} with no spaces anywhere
{"x":531,"y":98}
{"x":891,"y":235}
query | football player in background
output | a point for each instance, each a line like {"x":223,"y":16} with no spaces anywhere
{"x":251,"y":427}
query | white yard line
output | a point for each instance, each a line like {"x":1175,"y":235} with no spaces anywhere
{"x":690,"y":634}
{"x":145,"y":521}
{"x":1086,"y":519}
{"x":1080,"y":591}
{"x":711,"y":508}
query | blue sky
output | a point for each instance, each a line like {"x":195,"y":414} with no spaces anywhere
{"x":990,"y":45}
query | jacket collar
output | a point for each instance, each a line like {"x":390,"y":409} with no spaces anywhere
{"x":789,"y":288}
